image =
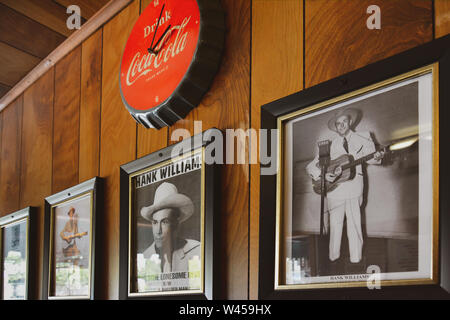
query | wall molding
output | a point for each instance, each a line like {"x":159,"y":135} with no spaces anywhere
{"x":105,"y":14}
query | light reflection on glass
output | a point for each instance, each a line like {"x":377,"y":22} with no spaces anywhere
{"x":150,"y":278}
{"x":71,"y":279}
{"x":14,"y":262}
{"x":298,"y":270}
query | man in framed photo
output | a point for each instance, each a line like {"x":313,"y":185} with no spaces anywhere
{"x":168,"y":211}
{"x":347,"y":196}
{"x":70,"y":235}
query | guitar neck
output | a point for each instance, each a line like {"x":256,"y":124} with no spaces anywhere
{"x":359,"y":161}
{"x":77,"y":235}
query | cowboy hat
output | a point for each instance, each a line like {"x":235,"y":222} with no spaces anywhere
{"x":167,"y":197}
{"x":353,"y":114}
{"x":72,"y":209}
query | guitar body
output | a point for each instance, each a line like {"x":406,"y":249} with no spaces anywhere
{"x":347,"y":173}
{"x":71,"y":237}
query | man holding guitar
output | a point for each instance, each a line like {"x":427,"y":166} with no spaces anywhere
{"x":70,"y":234}
{"x":344,"y":181}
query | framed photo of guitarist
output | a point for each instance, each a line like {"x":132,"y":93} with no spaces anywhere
{"x":355,"y":202}
{"x":69,"y":251}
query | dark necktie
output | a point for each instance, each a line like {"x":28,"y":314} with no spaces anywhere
{"x":345,"y":145}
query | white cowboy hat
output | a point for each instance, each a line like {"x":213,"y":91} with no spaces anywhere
{"x":167,"y":197}
{"x":353,"y":114}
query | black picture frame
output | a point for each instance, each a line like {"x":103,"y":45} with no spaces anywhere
{"x":210,"y":186}
{"x":27,"y":215}
{"x":91,"y":189}
{"x":436,"y":52}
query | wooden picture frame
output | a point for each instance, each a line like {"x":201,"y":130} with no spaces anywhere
{"x":393,"y":243}
{"x":71,"y":231}
{"x":184,"y":267}
{"x":17,"y":231}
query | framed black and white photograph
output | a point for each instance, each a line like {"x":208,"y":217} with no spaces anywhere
{"x":16,"y":255}
{"x":69,"y":242}
{"x":167,"y":224}
{"x":357,"y":197}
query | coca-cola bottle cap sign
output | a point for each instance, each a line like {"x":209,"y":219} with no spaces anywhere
{"x":162,"y":59}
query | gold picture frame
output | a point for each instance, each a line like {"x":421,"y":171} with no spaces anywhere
{"x":355,"y":204}
{"x":433,"y":279}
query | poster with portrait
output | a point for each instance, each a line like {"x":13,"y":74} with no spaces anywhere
{"x":69,"y":242}
{"x":166,"y":217}
{"x":358,"y":187}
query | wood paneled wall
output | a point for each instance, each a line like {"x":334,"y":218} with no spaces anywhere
{"x":71,"y":125}
{"x":277,"y":71}
{"x":226,"y":106}
{"x":117,"y":140}
{"x":335,"y":40}
{"x":36,"y":152}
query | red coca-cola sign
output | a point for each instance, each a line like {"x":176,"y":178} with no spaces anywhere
{"x":158,"y":55}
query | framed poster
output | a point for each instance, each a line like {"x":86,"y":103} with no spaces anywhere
{"x":355,"y":205}
{"x":69,"y":242}
{"x":17,"y":251}
{"x":168,"y":208}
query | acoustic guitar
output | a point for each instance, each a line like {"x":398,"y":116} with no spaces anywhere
{"x":347,"y":164}
{"x":69,"y":238}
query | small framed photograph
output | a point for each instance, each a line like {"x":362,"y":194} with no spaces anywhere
{"x":69,"y":242}
{"x":16,"y":255}
{"x":356,"y":204}
{"x":168,"y":217}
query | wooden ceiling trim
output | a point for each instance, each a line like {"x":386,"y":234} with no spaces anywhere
{"x":46,"y":12}
{"x":23,"y":33}
{"x":15,"y":64}
{"x":87,"y":7}
{"x":99,"y":19}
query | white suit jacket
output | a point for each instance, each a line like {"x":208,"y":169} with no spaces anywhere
{"x":360,"y":144}
{"x":180,"y":256}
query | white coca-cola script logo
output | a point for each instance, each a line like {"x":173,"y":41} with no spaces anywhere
{"x":142,"y":64}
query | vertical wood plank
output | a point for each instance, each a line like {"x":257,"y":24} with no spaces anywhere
{"x":442,"y":17}
{"x":227,"y":105}
{"x":277,"y":71}
{"x":66,"y":121}
{"x":91,"y":85}
{"x":36,"y":156}
{"x":150,"y":140}
{"x":118,"y":140}
{"x":144,"y":4}
{"x":11,"y":136}
{"x":337,"y":39}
